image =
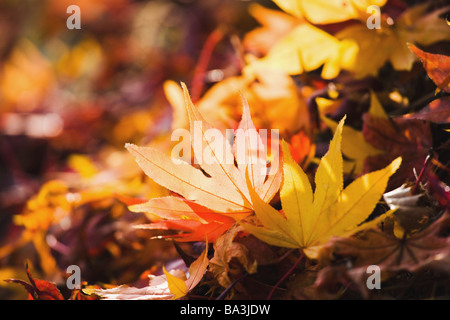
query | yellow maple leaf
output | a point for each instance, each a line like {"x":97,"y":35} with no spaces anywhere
{"x":274,"y":25}
{"x":328,"y":11}
{"x":180,"y":287}
{"x":415,"y":25}
{"x":307,"y":48}
{"x":354,"y":145}
{"x":312,"y":218}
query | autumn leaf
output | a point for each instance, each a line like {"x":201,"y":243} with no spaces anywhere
{"x":415,"y":25}
{"x":328,"y":11}
{"x":428,"y":247}
{"x":383,"y":139}
{"x":177,"y":213}
{"x":157,"y":289}
{"x":38,"y":216}
{"x":436,"y":65}
{"x":301,"y":148}
{"x":225,"y":250}
{"x":306,"y":48}
{"x":276,"y":102}
{"x":169,"y":286}
{"x":178,"y":287}
{"x":437,"y":111}
{"x":409,"y":216}
{"x":274,"y":25}
{"x":409,"y":138}
{"x":354,"y":145}
{"x":84,"y":292}
{"x":312,"y":218}
{"x":39,"y":289}
{"x":223,"y":189}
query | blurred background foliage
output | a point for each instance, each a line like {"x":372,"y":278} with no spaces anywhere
{"x":70,"y":99}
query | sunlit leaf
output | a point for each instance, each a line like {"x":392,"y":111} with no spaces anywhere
{"x":311,"y":219}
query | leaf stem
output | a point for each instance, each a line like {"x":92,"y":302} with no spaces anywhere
{"x":285,"y":276}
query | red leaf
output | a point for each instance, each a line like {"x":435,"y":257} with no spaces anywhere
{"x":300,"y":147}
{"x":437,"y":111}
{"x":39,"y":289}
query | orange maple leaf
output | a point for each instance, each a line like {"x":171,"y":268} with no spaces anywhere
{"x":217,"y":195}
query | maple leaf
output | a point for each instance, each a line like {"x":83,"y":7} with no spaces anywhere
{"x":169,"y":286}
{"x":184,"y":215}
{"x":38,"y":289}
{"x":311,"y":219}
{"x":427,"y":247}
{"x":157,"y":289}
{"x":437,"y":111}
{"x":223,"y":190}
{"x":354,"y":145}
{"x":274,"y":96}
{"x":328,"y":11}
{"x":383,"y":139}
{"x":275,"y":24}
{"x":415,"y":25}
{"x":436,"y":65}
{"x":306,"y":48}
{"x":409,"y":138}
{"x":196,"y":271}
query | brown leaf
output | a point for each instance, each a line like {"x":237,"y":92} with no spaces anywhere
{"x":227,"y":250}
{"x":437,"y":111}
{"x":411,"y":139}
{"x":429,"y":247}
{"x":344,"y":263}
{"x":409,"y":215}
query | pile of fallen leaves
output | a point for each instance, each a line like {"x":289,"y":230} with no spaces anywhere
{"x":304,"y":153}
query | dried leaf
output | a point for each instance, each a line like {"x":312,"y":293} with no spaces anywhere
{"x":226,"y":250}
{"x":373,"y":247}
{"x":171,"y":285}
